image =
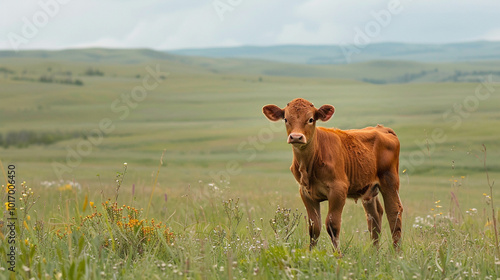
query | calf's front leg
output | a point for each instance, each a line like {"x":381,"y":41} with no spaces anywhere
{"x":314,"y":216}
{"x":336,"y":201}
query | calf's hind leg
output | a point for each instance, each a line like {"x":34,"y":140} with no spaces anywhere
{"x":393,"y":207}
{"x":374,"y":212}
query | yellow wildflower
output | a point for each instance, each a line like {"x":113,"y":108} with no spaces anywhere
{"x":66,"y":187}
{"x":85,"y":202}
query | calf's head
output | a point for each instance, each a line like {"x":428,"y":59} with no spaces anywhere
{"x":300,"y":118}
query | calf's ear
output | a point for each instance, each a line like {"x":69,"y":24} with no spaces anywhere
{"x":273,"y":112}
{"x":325,"y":112}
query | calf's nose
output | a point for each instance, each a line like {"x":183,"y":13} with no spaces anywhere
{"x":296,"y":138}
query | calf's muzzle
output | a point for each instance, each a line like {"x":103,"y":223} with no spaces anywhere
{"x":296,"y":138}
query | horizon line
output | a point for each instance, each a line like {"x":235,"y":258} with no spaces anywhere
{"x":245,"y":45}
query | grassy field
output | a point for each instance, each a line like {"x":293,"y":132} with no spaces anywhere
{"x":224,"y":176}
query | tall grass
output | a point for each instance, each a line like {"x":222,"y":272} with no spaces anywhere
{"x":205,"y":233}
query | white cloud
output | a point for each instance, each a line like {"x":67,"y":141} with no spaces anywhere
{"x":491,"y":35}
{"x":298,"y":33}
{"x":332,"y":21}
{"x":172,"y":24}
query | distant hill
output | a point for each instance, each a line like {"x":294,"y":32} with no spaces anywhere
{"x":336,"y":54}
{"x":75,"y":65}
{"x":121,"y":56}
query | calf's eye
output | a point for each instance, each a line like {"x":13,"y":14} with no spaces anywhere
{"x":286,"y":120}
{"x":311,"y":120}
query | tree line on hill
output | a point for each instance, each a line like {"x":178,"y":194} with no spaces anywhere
{"x":25,"y":138}
{"x":65,"y":77}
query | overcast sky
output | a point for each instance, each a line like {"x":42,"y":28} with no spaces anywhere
{"x":175,"y":24}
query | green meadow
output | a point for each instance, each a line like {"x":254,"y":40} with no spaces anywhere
{"x":213,"y":172}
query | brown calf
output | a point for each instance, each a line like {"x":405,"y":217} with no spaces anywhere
{"x":333,"y":164}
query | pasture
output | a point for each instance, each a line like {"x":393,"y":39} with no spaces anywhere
{"x":224,"y":203}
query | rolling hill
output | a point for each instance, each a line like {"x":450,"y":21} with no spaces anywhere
{"x":19,"y":65}
{"x":336,"y":54}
